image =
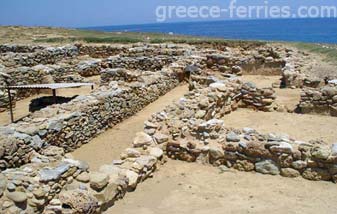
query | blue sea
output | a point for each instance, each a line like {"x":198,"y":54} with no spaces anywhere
{"x":300,"y":30}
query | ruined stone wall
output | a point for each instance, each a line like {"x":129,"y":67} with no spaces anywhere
{"x":259,"y":99}
{"x":263,"y":61}
{"x":4,"y":48}
{"x":154,"y":63}
{"x":72,"y":124}
{"x":40,"y":74}
{"x":50,"y":55}
{"x":193,"y":137}
{"x":320,"y":101}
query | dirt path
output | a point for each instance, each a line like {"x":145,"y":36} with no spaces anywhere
{"x":109,"y":145}
{"x":299,"y":126}
{"x":185,"y":188}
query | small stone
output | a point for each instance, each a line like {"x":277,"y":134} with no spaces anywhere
{"x":248,"y":130}
{"x":299,"y":164}
{"x":17,"y":197}
{"x":156,"y":152}
{"x":244,"y":165}
{"x":11,"y":187}
{"x":98,"y":180}
{"x":223,"y":169}
{"x":320,"y":153}
{"x":142,"y":139}
{"x":282,"y":147}
{"x":83,"y":177}
{"x":160,"y":138}
{"x":267,"y":167}
{"x":232,"y":137}
{"x":316,"y":174}
{"x":133,"y":179}
{"x":132,"y":153}
{"x":53,"y":174}
{"x":39,"y":193}
{"x":200,"y":114}
{"x":289,"y":172}
{"x":334,"y":149}
{"x":216,"y":152}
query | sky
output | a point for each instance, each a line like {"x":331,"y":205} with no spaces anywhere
{"x":88,"y":13}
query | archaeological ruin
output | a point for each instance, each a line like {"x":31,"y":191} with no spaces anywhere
{"x":40,"y":175}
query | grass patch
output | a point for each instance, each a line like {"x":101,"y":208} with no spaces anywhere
{"x":329,"y":51}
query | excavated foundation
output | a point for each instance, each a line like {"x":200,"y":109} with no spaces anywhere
{"x":40,"y":176}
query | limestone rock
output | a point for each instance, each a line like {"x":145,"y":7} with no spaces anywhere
{"x":133,"y":179}
{"x":53,"y":174}
{"x":160,"y":138}
{"x":79,"y":201}
{"x":320,"y":153}
{"x":289,"y":172}
{"x":17,"y":197}
{"x":216,"y":152}
{"x":244,"y":165}
{"x":98,"y":180}
{"x":232,"y":137}
{"x":156,"y":152}
{"x":267,"y":167}
{"x":316,"y":174}
{"x":334,"y":149}
{"x":142,"y":139}
{"x":83,"y":177}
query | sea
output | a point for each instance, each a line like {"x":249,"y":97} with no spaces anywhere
{"x":322,"y":30}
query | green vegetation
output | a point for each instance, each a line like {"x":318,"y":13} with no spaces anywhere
{"x":329,"y":51}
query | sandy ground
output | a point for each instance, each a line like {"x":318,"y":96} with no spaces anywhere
{"x":109,"y":145}
{"x":22,"y":107}
{"x":299,"y":126}
{"x":185,"y":188}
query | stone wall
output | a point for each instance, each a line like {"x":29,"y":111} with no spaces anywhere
{"x":154,"y":63}
{"x":320,"y":101}
{"x":72,"y":124}
{"x":50,"y":55}
{"x":39,"y":74}
{"x":259,"y":99}
{"x":4,"y":48}
{"x":194,"y":137}
{"x":263,"y":61}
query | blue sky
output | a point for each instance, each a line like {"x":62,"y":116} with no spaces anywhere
{"x":85,"y":13}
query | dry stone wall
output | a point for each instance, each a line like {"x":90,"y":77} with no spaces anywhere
{"x":320,"y":101}
{"x":72,"y":124}
{"x":194,"y":137}
{"x":49,"y":181}
{"x":50,"y":55}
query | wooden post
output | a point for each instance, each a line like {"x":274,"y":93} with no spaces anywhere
{"x":54,"y":96}
{"x":10,"y":104}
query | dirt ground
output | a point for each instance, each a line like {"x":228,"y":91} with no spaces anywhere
{"x":299,"y":126}
{"x":22,"y":107}
{"x":110,"y":144}
{"x":185,"y":188}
